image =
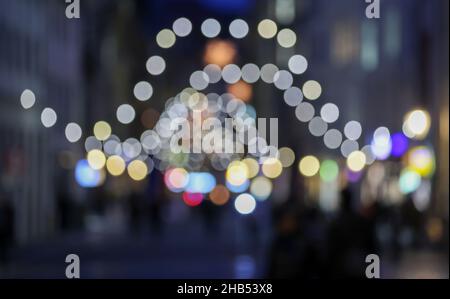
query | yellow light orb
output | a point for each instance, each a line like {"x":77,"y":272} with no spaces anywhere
{"x":165,"y":38}
{"x":287,"y":38}
{"x":115,"y":165}
{"x":137,"y":170}
{"x":312,"y":90}
{"x":309,"y":166}
{"x":96,"y":159}
{"x":287,"y":157}
{"x":261,"y":188}
{"x":102,"y":130}
{"x":237,"y":173}
{"x":356,"y":161}
{"x":267,"y":28}
{"x":418,"y":122}
{"x":252,"y":166}
{"x":272,"y":168}
{"x":421,"y":160}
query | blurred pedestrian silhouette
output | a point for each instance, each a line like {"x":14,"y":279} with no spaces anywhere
{"x":350,"y":240}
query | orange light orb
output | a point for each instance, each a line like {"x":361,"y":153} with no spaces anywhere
{"x":241,"y":90}
{"x":220,"y":195}
{"x":220,"y":52}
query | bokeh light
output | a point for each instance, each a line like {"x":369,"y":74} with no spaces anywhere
{"x":201,"y":182}
{"x":102,"y":130}
{"x":92,"y":143}
{"x":317,"y":126}
{"x":418,"y":123}
{"x":356,"y":161}
{"x":286,"y":156}
{"x":165,"y":38}
{"x":293,"y":96}
{"x":241,"y":90}
{"x":115,"y":165}
{"x":370,"y":157}
{"x":176,"y":179}
{"x":143,"y":91}
{"x":182,"y":27}
{"x":332,"y":139}
{"x":211,"y":28}
{"x":298,"y":64}
{"x":27,"y":99}
{"x":267,"y":28}
{"x":252,"y":167}
{"x":250,"y":73}
{"x":237,"y":173}
{"x":399,"y":144}
{"x":137,"y":170}
{"x":272,"y":168}
{"x":155,"y":65}
{"x":192,"y":199}
{"x":220,"y":195}
{"x":409,"y":181}
{"x":48,"y":117}
{"x":329,"y":170}
{"x":238,"y":188}
{"x":329,"y":112}
{"x":231,"y":73}
{"x":304,"y":112}
{"x":239,"y":28}
{"x":87,"y":177}
{"x":125,"y":114}
{"x":286,"y":38}
{"x":219,"y":52}
{"x":73,"y":132}
{"x":312,"y":90}
{"x":353,"y":130}
{"x":422,"y":196}
{"x":261,"y":188}
{"x":245,"y":204}
{"x":421,"y":160}
{"x":199,"y":80}
{"x":309,"y":166}
{"x":381,"y":143}
{"x":283,"y":80}
{"x":96,"y":159}
{"x":268,"y":72}
{"x":353,"y":177}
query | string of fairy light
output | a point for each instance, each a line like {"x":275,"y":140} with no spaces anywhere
{"x":253,"y":172}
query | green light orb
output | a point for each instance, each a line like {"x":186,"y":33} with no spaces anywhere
{"x":329,"y":170}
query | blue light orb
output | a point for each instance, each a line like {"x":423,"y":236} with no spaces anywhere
{"x":87,"y":177}
{"x":238,"y":188}
{"x":201,"y":182}
{"x":400,"y":145}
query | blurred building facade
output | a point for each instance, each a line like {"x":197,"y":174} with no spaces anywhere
{"x":387,"y":66}
{"x":41,"y":52}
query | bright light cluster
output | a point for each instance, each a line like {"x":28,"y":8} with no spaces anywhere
{"x":138,"y":158}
